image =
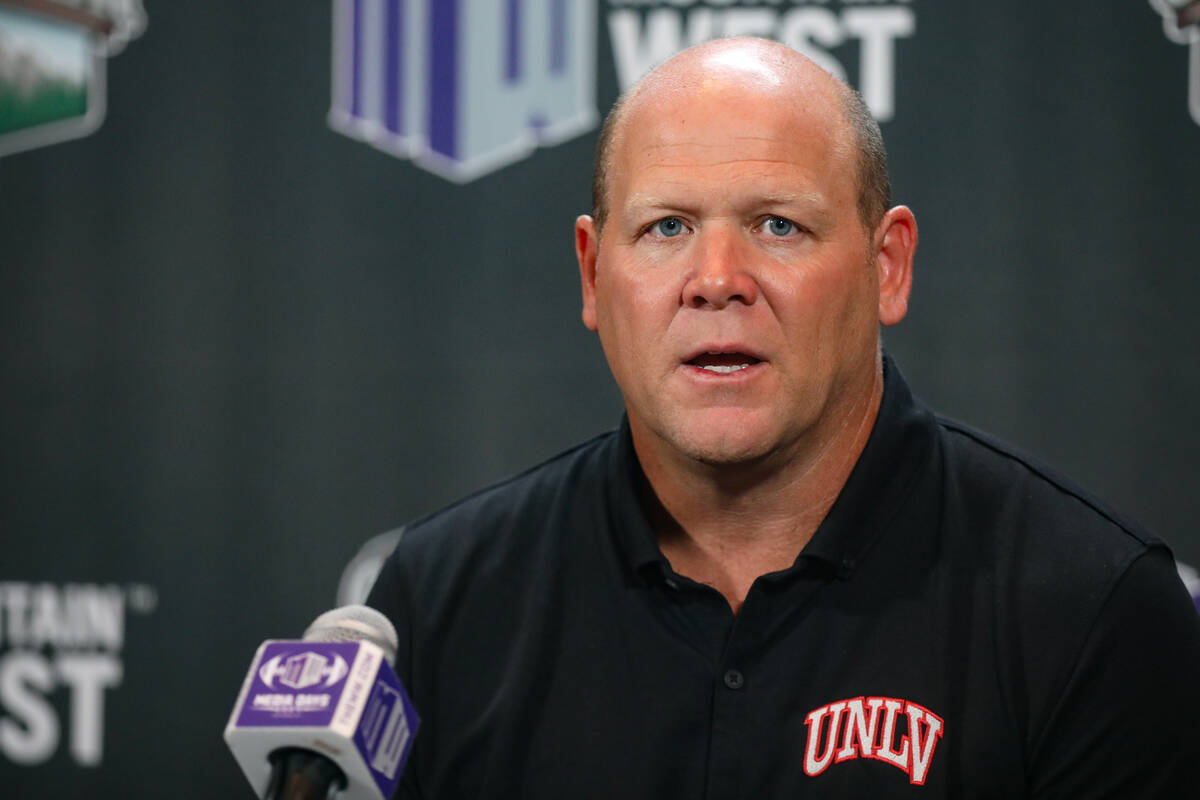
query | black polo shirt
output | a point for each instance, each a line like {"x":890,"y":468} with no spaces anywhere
{"x":963,"y":624}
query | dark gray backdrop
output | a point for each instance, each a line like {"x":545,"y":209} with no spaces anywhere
{"x":235,"y":344}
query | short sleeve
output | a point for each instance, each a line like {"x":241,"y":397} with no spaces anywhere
{"x":1125,"y":724}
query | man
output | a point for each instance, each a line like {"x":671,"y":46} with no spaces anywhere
{"x":782,"y":577}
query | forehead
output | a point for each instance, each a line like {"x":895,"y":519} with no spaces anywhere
{"x":721,"y":137}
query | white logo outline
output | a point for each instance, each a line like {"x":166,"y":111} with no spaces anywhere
{"x":1172,"y":12}
{"x":302,"y":670}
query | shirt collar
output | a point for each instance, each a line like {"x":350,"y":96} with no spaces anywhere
{"x":627,"y":495}
{"x":894,"y":456}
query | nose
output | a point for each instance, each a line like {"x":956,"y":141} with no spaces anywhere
{"x":721,"y":274}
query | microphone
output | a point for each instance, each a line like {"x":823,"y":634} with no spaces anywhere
{"x":325,"y":716}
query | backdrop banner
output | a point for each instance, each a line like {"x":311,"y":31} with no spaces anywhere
{"x":278,"y":277}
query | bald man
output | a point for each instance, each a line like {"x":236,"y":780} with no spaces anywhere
{"x":781,"y":576}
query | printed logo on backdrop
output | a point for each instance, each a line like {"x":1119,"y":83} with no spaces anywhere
{"x":465,"y":87}
{"x":1181,"y":23}
{"x":52,"y":66}
{"x":60,"y":647}
{"x":1191,"y":581}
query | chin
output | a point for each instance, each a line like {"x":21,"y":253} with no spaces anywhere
{"x":733,"y":446}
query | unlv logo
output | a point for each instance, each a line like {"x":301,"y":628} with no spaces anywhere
{"x":1181,"y":23}
{"x":871,"y":727}
{"x":463,"y":87}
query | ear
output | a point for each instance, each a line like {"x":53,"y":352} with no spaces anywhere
{"x":587,"y":246}
{"x":895,"y":245}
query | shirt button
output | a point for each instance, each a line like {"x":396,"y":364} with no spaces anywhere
{"x":734,"y":679}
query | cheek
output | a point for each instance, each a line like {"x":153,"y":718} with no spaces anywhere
{"x":634,"y":316}
{"x":619,"y":319}
{"x":632,"y":303}
{"x":826,"y":309}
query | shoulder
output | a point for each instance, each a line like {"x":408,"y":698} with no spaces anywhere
{"x":1016,"y":500}
{"x":482,"y":513}
{"x":1046,"y":555}
{"x":485,"y":531}
{"x":1050,"y":563}
{"x":1081,"y":602}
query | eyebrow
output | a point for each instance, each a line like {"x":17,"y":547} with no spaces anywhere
{"x":812,"y":204}
{"x":648,"y":202}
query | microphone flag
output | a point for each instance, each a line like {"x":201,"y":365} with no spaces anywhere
{"x":339,"y":699}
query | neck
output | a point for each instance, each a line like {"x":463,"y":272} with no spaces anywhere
{"x":727,"y":524}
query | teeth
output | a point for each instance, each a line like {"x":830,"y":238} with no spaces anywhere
{"x":725,"y":370}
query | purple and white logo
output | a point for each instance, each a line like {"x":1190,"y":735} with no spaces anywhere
{"x":303,"y":670}
{"x":293,"y":679}
{"x":1181,"y":23}
{"x":359,"y":715}
{"x":463,"y":87}
{"x":384,"y":733}
{"x":1191,"y":581}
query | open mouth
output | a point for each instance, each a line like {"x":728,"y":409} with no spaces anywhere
{"x":723,"y":363}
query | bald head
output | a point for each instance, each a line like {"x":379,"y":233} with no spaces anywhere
{"x":762,"y":67}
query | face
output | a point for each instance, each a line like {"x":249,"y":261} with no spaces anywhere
{"x":735,"y":291}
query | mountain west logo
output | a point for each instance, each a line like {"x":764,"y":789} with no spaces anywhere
{"x":464,"y":87}
{"x":52,"y":59}
{"x":870,"y":727}
{"x":1181,"y":23}
{"x":61,"y":663}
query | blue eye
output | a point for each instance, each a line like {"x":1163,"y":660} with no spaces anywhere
{"x":671,"y":226}
{"x":780,"y":226}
